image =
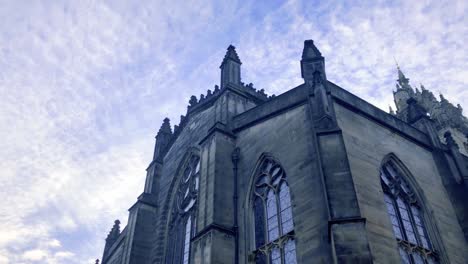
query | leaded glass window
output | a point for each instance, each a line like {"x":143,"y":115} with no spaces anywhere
{"x":405,"y":213}
{"x":274,"y":227}
{"x":182,"y":227}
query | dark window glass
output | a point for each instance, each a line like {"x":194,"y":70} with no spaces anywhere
{"x":274,"y":227}
{"x":406,"y":217}
{"x":183,"y":220}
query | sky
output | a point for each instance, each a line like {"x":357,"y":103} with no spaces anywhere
{"x":85,"y":85}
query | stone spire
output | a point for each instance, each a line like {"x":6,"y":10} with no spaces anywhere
{"x":402,"y":80}
{"x":230,"y":67}
{"x":312,"y":63}
{"x":403,"y":92}
{"x":163,"y":139}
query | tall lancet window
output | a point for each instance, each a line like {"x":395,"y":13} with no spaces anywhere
{"x":406,"y":215}
{"x":274,"y":227}
{"x":182,"y":227}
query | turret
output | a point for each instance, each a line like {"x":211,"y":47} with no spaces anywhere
{"x":230,"y":68}
{"x":163,"y":138}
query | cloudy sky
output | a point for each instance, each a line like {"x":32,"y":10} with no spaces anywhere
{"x":84,"y":87}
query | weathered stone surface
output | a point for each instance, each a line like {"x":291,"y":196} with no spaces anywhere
{"x":330,"y":144}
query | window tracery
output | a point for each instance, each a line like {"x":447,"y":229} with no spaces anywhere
{"x":274,"y":227}
{"x":405,"y":213}
{"x":182,"y":227}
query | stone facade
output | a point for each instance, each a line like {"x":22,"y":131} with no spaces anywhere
{"x":201,"y":197}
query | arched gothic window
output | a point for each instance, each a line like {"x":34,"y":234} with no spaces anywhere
{"x":274,"y":227}
{"x":182,"y":227}
{"x":406,"y":215}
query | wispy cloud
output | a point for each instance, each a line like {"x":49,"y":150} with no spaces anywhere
{"x":84,"y":87}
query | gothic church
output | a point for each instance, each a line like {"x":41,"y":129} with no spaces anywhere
{"x":314,"y":175}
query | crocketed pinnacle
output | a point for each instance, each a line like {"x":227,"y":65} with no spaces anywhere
{"x":115,"y":231}
{"x":165,"y":127}
{"x":231,"y":54}
{"x":402,"y":80}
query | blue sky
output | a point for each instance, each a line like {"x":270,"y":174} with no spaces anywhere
{"x":85,"y":85}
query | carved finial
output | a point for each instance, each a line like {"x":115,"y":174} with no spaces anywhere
{"x":449,"y":140}
{"x":165,"y":127}
{"x":390,"y":110}
{"x":460,"y":107}
{"x":422,"y":87}
{"x":202,"y":97}
{"x":231,"y":54}
{"x":442,"y":98}
{"x":208,"y":93}
{"x":216,"y":88}
{"x":97,"y":261}
{"x":193,"y":100}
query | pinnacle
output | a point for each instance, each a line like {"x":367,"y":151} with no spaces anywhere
{"x":166,"y":126}
{"x":310,"y":50}
{"x":401,"y":77}
{"x":231,"y":54}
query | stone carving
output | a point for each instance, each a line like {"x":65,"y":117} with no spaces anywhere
{"x":444,"y":113}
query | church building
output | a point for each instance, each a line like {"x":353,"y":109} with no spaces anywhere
{"x":314,"y":175}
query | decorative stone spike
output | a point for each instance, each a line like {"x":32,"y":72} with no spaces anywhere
{"x":97,"y":261}
{"x":193,"y":100}
{"x":442,"y":98}
{"x":166,"y":126}
{"x":390,"y":110}
{"x":216,"y":88}
{"x":202,"y":97}
{"x":208,"y":93}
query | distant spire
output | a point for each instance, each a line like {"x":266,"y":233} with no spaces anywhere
{"x":402,"y":80}
{"x":231,"y":54}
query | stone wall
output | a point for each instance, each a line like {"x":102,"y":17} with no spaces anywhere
{"x":367,"y":144}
